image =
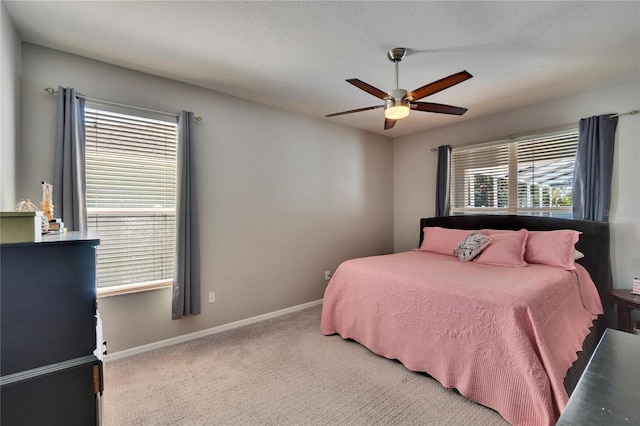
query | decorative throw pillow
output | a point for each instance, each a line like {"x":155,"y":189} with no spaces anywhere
{"x":471,"y":246}
{"x":442,"y":240}
{"x":554,"y":248}
{"x":506,"y":249}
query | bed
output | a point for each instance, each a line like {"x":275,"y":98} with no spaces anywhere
{"x":514,"y":339}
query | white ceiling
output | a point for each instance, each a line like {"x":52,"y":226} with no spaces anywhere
{"x":297,"y":55}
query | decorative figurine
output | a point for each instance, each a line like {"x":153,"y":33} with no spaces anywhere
{"x":46,"y":205}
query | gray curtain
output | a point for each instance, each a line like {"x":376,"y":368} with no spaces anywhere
{"x":69,"y":187}
{"x":443,"y":181}
{"x":186,"y":279}
{"x":594,"y":168}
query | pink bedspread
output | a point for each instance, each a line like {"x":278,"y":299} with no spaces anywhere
{"x":504,"y":337}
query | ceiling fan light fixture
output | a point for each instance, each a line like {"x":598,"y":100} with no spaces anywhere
{"x":395,"y":110}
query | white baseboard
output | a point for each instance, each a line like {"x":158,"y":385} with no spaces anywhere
{"x":202,"y":333}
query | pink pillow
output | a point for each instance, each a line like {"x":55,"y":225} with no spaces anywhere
{"x":442,"y":240}
{"x":505,"y":249}
{"x":554,"y":248}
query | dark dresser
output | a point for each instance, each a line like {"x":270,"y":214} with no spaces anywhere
{"x":51,"y":368}
{"x":608,"y":392}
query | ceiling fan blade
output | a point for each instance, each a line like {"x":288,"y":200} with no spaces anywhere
{"x":368,"y":88}
{"x":439,"y":108}
{"x":437,"y":86}
{"x":389,"y":123}
{"x":354,"y":110}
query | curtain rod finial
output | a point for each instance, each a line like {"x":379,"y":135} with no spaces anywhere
{"x":50,"y":91}
{"x":632,"y":112}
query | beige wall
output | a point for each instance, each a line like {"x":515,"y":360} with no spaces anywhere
{"x":415,"y":165}
{"x":10,"y":62}
{"x":284,"y":197}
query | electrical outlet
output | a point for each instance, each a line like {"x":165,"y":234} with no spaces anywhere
{"x":327,"y":275}
{"x":212,"y":296}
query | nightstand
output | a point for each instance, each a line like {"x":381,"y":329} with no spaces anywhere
{"x":626,"y":302}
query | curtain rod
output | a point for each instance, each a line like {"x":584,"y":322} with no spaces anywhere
{"x":529,"y":134}
{"x":533,"y":133}
{"x":52,"y":91}
{"x":632,"y":112}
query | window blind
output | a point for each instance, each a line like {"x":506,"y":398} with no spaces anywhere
{"x":526,"y":176}
{"x":131,"y":195}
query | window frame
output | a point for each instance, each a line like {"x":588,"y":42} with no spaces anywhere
{"x":141,"y":114}
{"x":563,"y":136}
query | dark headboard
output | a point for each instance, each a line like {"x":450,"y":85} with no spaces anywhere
{"x":594,"y":243}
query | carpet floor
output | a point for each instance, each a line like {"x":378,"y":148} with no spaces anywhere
{"x":278,"y":372}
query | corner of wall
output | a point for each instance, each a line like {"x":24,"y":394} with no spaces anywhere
{"x":11,"y":62}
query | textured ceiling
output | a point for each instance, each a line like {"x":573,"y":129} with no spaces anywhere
{"x":297,"y":55}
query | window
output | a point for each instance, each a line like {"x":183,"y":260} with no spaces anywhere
{"x":131,"y":197}
{"x":526,"y":176}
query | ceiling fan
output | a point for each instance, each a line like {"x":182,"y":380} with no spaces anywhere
{"x":398,"y":102}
